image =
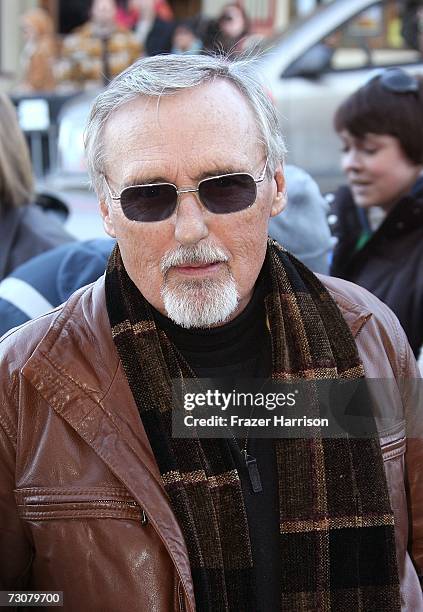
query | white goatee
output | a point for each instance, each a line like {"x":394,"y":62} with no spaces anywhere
{"x":202,"y":302}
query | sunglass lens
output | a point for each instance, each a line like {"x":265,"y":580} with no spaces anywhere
{"x":228,"y":194}
{"x":148,"y":203}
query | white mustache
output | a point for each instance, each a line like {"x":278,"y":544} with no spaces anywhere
{"x":189,"y":255}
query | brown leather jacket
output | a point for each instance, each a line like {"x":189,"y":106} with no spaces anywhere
{"x":82,"y":507}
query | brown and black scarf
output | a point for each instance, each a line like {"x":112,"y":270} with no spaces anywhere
{"x":337,"y":541}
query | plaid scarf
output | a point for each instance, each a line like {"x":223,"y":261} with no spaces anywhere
{"x":337,"y":541}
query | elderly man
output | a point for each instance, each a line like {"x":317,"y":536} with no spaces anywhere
{"x":98,"y":499}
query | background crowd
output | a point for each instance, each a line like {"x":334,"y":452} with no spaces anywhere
{"x":106,"y":36}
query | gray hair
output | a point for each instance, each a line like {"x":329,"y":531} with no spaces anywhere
{"x":166,"y":75}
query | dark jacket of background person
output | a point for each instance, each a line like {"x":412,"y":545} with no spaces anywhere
{"x":72,"y":14}
{"x":152,"y":22}
{"x":75,"y":436}
{"x":412,"y":22}
{"x":49,"y":279}
{"x":25,"y":230}
{"x":302,"y":228}
{"x":390,"y":264}
{"x":159,"y":38}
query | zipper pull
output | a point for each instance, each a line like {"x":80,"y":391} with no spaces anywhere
{"x":253,"y":472}
{"x":144,"y":518}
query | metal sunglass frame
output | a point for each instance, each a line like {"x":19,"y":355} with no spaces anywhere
{"x":191,"y":190}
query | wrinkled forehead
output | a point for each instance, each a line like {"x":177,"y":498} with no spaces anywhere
{"x":213,"y":117}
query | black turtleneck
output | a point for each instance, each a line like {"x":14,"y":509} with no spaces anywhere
{"x":242,"y":349}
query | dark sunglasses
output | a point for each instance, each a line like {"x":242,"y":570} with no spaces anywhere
{"x":223,"y":194}
{"x":397,"y":80}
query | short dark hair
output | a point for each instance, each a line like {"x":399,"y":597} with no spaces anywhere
{"x":374,"y":109}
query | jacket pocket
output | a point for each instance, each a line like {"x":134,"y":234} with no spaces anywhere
{"x":393,"y":454}
{"x":42,"y":503}
{"x":393,"y":447}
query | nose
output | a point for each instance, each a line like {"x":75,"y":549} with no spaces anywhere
{"x":351,"y":160}
{"x":190,"y":225}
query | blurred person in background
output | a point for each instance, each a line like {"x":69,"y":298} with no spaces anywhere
{"x":25,"y":230}
{"x":128,"y":13}
{"x":152,"y":22}
{"x":302,"y":228}
{"x":230,"y":33}
{"x":72,"y":14}
{"x":185,"y":39}
{"x":49,"y":279}
{"x":39,"y":53}
{"x":98,"y":50}
{"x":412,"y":24}
{"x":379,"y":214}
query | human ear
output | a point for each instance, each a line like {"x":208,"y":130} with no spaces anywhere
{"x":279,"y":199}
{"x":108,"y":224}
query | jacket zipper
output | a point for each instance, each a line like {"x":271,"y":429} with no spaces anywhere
{"x":144,"y":517}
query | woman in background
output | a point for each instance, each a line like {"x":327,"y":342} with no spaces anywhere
{"x":25,"y":229}
{"x":230,"y":33}
{"x":380,"y":213}
{"x":152,"y":22}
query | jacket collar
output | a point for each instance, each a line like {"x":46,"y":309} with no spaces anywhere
{"x":404,"y":218}
{"x":76,"y":369}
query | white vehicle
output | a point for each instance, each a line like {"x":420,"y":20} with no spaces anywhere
{"x":317,"y":63}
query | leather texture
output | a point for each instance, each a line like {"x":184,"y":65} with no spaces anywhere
{"x":82,"y":506}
